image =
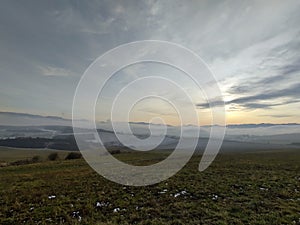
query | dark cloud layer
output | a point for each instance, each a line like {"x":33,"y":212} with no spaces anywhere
{"x":278,"y":97}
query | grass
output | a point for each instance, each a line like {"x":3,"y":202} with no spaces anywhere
{"x":241,"y":188}
{"x":8,"y":154}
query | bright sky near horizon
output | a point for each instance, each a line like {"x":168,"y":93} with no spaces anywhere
{"x":252,"y":47}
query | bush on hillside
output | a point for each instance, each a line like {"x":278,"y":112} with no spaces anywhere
{"x":35,"y":159}
{"x":53,"y":156}
{"x":73,"y":155}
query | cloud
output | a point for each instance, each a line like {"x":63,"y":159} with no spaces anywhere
{"x":285,"y":75}
{"x":256,"y":84}
{"x":150,"y":110}
{"x":54,"y":71}
{"x":277,"y":115}
{"x":291,"y":68}
{"x":60,"y":40}
{"x":278,"y":97}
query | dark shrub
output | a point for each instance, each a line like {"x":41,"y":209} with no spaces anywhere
{"x":21,"y":162}
{"x":73,"y":155}
{"x":53,"y":156}
{"x":35,"y":159}
{"x":116,"y":151}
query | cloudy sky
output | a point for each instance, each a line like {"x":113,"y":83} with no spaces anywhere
{"x":252,"y":47}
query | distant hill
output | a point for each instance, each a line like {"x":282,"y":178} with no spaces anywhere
{"x":52,"y":130}
{"x":24,"y":119}
{"x":68,"y":143}
{"x":260,"y":125}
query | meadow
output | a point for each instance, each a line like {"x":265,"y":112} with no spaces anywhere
{"x":238,"y":188}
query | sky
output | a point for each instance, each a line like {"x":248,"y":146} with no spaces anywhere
{"x":252,"y":48}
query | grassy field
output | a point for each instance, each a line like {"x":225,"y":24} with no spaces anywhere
{"x":241,"y":188}
{"x":8,"y":154}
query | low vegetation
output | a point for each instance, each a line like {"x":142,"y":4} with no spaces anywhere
{"x":16,"y":157}
{"x":248,"y":188}
{"x":73,"y":155}
{"x":53,"y":156}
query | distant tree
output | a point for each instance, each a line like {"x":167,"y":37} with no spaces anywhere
{"x":53,"y":156}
